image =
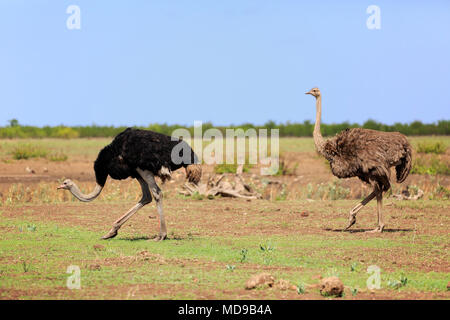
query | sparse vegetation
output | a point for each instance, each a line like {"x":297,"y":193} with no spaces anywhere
{"x":327,"y":191}
{"x":228,"y":168}
{"x":301,"y":288}
{"x":244,"y":253}
{"x":396,"y":284}
{"x":230,"y":267}
{"x":58,"y":156}
{"x":28,"y":151}
{"x":286,"y":168}
{"x":431,"y":147}
{"x":440,"y":192}
{"x":432,"y":166}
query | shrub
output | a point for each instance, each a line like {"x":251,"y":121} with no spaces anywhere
{"x":66,"y":133}
{"x":27,"y":151}
{"x":228,"y":168}
{"x":431,"y":147}
{"x":433,"y":167}
{"x":57,"y":157}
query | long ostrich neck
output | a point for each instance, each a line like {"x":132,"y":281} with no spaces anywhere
{"x":319,"y":141}
{"x":86,"y":197}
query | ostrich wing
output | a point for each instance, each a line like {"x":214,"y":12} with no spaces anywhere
{"x":358,"y":152}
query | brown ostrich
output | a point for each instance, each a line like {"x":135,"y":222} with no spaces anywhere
{"x":366,"y":154}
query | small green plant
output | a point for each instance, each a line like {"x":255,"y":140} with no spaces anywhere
{"x":31,"y":227}
{"x":267,"y":250}
{"x":283,"y":194}
{"x":229,"y":168}
{"x":244,"y":253}
{"x":301,"y":288}
{"x":354,"y":291}
{"x":25,"y":265}
{"x":57,"y":157}
{"x":354,"y":266}
{"x":310,"y":191}
{"x":403,"y":280}
{"x":431,"y":147}
{"x":396,"y":284}
{"x":230,"y":267}
{"x":332,"y":272}
{"x":197,"y":196}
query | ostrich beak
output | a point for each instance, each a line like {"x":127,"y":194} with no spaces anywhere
{"x":60,"y":187}
{"x":309,"y":92}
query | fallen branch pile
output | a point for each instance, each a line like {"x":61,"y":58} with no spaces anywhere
{"x":406,"y":195}
{"x":218,"y":186}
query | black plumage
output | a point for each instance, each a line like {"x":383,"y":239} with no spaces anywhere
{"x":140,"y":154}
{"x":144,"y":149}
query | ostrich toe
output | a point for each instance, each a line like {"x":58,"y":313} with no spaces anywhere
{"x":111,"y":234}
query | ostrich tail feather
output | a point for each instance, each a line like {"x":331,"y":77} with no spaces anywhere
{"x":194,"y":173}
{"x":402,"y":170}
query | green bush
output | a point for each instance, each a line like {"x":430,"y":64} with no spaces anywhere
{"x":66,"y":133}
{"x":27,"y":151}
{"x":432,"y":167}
{"x":431,"y":147}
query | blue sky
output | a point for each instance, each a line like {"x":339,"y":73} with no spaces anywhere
{"x":228,"y":62}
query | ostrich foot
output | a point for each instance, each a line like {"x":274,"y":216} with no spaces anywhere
{"x":378,"y":229}
{"x":161,"y":237}
{"x":351,"y":221}
{"x":111,"y":234}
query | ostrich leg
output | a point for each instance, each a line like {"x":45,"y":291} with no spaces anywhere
{"x":158,"y":195}
{"x":359,"y":206}
{"x":146,"y":199}
{"x":379,"y":213}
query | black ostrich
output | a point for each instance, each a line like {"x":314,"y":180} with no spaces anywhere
{"x":140,"y":154}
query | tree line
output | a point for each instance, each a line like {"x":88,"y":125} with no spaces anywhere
{"x":15,"y":130}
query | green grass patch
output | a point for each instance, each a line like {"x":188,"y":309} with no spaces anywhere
{"x":433,"y":166}
{"x":28,"y":151}
{"x":438,"y":147}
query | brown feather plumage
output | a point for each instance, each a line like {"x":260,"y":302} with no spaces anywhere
{"x":368,"y":155}
{"x":194,"y":173}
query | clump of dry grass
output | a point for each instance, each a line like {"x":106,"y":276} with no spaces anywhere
{"x":327,"y":191}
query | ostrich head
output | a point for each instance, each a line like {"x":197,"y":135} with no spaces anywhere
{"x":314,"y":92}
{"x":67,"y":184}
